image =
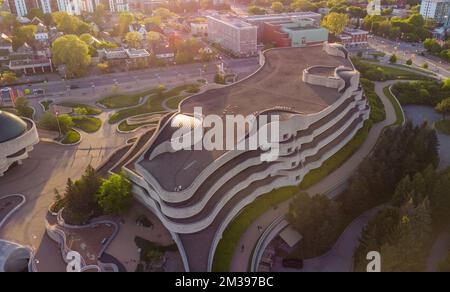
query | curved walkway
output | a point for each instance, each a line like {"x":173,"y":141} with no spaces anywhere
{"x":340,"y":257}
{"x":338,"y":177}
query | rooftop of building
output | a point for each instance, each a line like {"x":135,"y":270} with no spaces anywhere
{"x":269,"y":17}
{"x":355,"y":31}
{"x":11,"y":126}
{"x":278,"y":84}
{"x":231,"y":20}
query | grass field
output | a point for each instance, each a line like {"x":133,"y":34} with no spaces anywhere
{"x":91,"y":110}
{"x":87,"y":124}
{"x":125,"y":127}
{"x":154,"y":103}
{"x":398,"y":109}
{"x":237,"y":227}
{"x":71,"y":137}
{"x":125,"y":100}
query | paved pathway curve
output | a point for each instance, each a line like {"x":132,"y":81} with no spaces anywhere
{"x":240,"y":259}
{"x":340,"y":257}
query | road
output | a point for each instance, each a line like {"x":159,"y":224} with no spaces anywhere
{"x":142,"y":77}
{"x":249,"y":239}
{"x":405,"y":51}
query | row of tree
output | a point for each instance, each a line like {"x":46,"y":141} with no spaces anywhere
{"x":422,"y":92}
{"x":400,"y":152}
{"x":92,"y":196}
{"x":435,"y":48}
{"x":412,"y":29}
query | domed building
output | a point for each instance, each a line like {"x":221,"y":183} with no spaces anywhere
{"x":17,"y":138}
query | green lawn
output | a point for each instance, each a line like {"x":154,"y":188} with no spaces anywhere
{"x":87,"y":124}
{"x":175,"y":101}
{"x":153,"y":104}
{"x":71,"y":137}
{"x":376,"y":72}
{"x":398,"y":109}
{"x":443,"y":126}
{"x":237,"y":227}
{"x":125,"y":100}
{"x":91,"y":110}
{"x":377,"y":111}
{"x":125,"y":127}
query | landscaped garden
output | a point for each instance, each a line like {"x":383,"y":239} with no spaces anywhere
{"x":87,"y":124}
{"x":92,"y":196}
{"x":125,"y":100}
{"x":377,"y":72}
{"x":377,"y":111}
{"x":154,"y":102}
{"x":125,"y":127}
{"x":89,"y":110}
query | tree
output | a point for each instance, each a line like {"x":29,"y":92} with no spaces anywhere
{"x":255,"y":10}
{"x":80,"y":200}
{"x":65,"y":122}
{"x":72,"y":52}
{"x":393,"y":59}
{"x":409,"y":62}
{"x":114,"y":196}
{"x":8,"y":77}
{"x":432,"y":46}
{"x":277,"y":7}
{"x":103,"y":67}
{"x":357,"y":12}
{"x":425,"y":65}
{"x":125,"y":19}
{"x":69,"y":24}
{"x":24,"y":34}
{"x":302,"y":5}
{"x":163,"y":13}
{"x":134,"y":39}
{"x":335,"y":22}
{"x":444,"y":108}
{"x":7,"y":21}
{"x":22,"y":106}
{"x":318,"y":219}
{"x":156,"y":20}
{"x":36,"y":12}
{"x":99,"y":13}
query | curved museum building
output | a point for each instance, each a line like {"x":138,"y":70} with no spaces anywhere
{"x":316,"y":95}
{"x":17,"y":138}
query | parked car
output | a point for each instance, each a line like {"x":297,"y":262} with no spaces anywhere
{"x":293,"y":263}
{"x":38,"y":91}
{"x":74,"y":86}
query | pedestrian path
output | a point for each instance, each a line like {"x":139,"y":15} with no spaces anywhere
{"x":241,"y":258}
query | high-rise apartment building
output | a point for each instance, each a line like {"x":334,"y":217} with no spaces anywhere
{"x":436,"y":9}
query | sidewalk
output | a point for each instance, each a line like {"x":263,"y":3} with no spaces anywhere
{"x":240,"y":259}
